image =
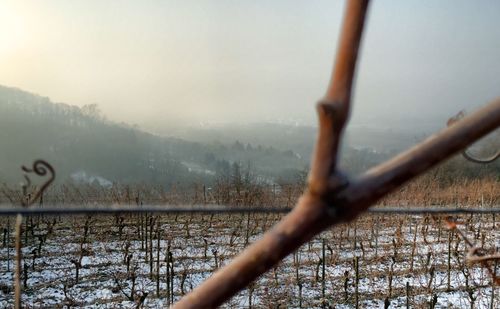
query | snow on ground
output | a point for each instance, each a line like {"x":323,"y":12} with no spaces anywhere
{"x":198,"y":244}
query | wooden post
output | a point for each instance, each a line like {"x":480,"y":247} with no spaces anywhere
{"x":151,"y":259}
{"x":346,"y":285}
{"x":407,"y":295}
{"x":167,"y":260}
{"x":448,"y":278}
{"x":413,"y":247}
{"x":172,"y":275}
{"x":356,"y":282}
{"x":323,"y":274}
{"x":376,"y":237}
{"x":17,"y":274}
{"x":8,"y":244}
{"x":158,"y":248}
{"x":492,"y":304}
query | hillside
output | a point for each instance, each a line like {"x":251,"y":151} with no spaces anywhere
{"x":84,"y":146}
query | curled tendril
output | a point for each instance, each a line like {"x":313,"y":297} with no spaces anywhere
{"x":476,"y":254}
{"x":481,"y":161}
{"x":467,"y":155}
{"x":40,"y":168}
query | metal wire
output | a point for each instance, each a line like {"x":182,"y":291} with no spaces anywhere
{"x":9,"y":210}
{"x":433,"y":210}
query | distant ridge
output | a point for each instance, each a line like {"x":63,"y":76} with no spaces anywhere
{"x":81,"y":141}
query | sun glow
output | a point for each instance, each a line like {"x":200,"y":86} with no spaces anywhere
{"x":13,"y":29}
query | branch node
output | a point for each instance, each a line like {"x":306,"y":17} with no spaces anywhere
{"x":329,"y":193}
{"x":336,"y":111}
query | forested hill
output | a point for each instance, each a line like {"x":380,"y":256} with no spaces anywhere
{"x":83,"y":146}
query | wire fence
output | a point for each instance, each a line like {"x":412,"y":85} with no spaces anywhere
{"x":71,"y":209}
{"x":330,"y":198}
{"x":196,"y":242}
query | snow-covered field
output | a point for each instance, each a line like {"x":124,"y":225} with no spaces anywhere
{"x":402,"y":259}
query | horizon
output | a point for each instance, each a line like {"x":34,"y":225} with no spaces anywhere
{"x":173,"y":63}
{"x":190,"y":164}
{"x":427,"y":125}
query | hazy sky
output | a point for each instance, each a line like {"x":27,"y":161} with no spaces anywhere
{"x":172,"y":62}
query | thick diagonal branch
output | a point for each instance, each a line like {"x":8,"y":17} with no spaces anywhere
{"x":327,"y":201}
{"x":312,"y":215}
{"x":301,"y":224}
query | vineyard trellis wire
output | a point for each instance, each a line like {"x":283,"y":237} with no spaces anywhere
{"x":331,"y":198}
{"x":75,"y":209}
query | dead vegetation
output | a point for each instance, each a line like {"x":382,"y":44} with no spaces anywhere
{"x":148,"y":260}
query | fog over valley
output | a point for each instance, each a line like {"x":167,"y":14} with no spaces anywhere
{"x":175,"y":91}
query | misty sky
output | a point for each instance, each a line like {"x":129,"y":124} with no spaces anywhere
{"x":185,"y":62}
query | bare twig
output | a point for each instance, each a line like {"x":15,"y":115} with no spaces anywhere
{"x":312,"y":212}
{"x":41,"y":168}
{"x":329,"y":198}
{"x":476,"y":254}
{"x":333,"y":109}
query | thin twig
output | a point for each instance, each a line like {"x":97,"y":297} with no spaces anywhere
{"x":330,"y":199}
{"x":475,"y":254}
